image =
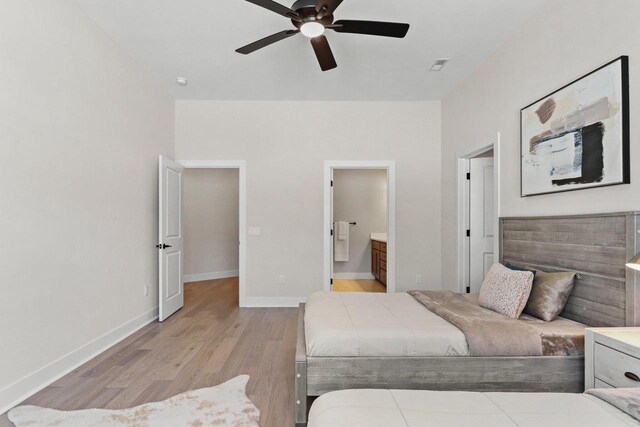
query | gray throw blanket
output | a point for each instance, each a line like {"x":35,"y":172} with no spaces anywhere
{"x":488,"y":334}
{"x":625,"y":399}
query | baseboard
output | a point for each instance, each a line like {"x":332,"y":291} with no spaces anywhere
{"x":274,"y":302}
{"x":353,"y":276}
{"x":210,"y":276}
{"x":29,"y":385}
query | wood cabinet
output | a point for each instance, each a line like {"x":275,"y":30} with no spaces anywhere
{"x":379,"y":261}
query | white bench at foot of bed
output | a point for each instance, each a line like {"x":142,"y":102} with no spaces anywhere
{"x":411,"y":408}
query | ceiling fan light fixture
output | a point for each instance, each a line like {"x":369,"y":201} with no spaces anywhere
{"x":312,"y":29}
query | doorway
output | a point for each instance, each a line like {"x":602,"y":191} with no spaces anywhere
{"x":477,"y":215}
{"x":360,"y":219}
{"x":211,"y":225}
{"x":241,"y":167}
{"x":359,"y":223}
{"x":172,"y":229}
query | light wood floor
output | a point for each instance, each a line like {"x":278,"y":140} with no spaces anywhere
{"x":358,"y":286}
{"x":206,"y":343}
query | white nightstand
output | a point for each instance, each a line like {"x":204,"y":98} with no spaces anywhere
{"x":612,"y":357}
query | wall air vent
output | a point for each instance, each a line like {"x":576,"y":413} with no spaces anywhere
{"x":439,"y":64}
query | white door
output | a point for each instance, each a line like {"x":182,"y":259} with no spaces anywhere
{"x":333,"y":230}
{"x":171,"y":238}
{"x":481,"y":220}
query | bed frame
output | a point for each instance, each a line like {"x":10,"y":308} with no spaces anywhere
{"x":606,"y":294}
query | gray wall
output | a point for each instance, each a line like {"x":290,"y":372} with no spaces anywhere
{"x":210,"y":222}
{"x":361,"y":196}
{"x":285,"y":190}
{"x":572,"y":38}
{"x":81,"y":129}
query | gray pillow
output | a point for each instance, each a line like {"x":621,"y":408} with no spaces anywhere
{"x":518,"y":268}
{"x":549,"y":294}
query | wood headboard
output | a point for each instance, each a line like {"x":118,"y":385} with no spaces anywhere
{"x":606,"y":293}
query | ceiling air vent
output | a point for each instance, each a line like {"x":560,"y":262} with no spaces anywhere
{"x":439,"y":64}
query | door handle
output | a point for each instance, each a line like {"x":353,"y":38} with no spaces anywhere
{"x":163,"y":246}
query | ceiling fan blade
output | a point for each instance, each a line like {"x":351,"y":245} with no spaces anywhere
{"x":277,"y":8}
{"x":373,"y":28}
{"x":327,"y":7}
{"x":250,"y":48}
{"x":323,"y":52}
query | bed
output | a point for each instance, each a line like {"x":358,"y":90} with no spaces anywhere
{"x":411,"y":408}
{"x":396,"y":354}
{"x":398,"y":325}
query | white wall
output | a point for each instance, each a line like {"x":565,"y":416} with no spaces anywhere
{"x":285,"y":145}
{"x":571,"y":39}
{"x":210,"y":223}
{"x":81,"y":126}
{"x":360,"y":196}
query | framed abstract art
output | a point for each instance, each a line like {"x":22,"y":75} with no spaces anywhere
{"x":578,"y":136}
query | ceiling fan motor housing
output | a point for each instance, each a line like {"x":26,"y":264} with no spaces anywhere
{"x":307,"y":11}
{"x":302,"y":4}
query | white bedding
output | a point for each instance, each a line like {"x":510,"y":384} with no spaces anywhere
{"x":402,"y":408}
{"x":390,"y":325}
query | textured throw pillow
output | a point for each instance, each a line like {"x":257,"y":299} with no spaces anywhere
{"x":549,"y":294}
{"x":506,"y":291}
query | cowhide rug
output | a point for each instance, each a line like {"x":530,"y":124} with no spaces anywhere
{"x":221,"y":406}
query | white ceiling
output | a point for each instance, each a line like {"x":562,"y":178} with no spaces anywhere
{"x":197,"y":39}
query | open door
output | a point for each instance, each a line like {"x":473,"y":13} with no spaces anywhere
{"x":333,"y":228}
{"x":481,"y":220}
{"x":171,"y":238}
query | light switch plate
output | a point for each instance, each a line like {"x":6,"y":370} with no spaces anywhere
{"x":254,"y":231}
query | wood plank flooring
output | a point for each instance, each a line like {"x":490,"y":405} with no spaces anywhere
{"x":209,"y":341}
{"x":343,"y":285}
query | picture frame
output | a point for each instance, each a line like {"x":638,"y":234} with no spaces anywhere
{"x":578,"y":137}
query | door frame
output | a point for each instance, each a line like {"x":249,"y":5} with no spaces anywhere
{"x":462,"y":246}
{"x":241,"y":165}
{"x":390,"y":167}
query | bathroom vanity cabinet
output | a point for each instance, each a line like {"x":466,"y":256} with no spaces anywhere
{"x":379,"y":261}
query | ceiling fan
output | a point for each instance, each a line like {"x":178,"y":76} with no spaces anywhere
{"x":312,"y":18}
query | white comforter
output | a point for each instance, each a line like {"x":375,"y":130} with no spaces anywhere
{"x":401,"y":408}
{"x":347,"y":325}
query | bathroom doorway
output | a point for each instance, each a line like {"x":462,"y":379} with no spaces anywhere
{"x":359,"y":218}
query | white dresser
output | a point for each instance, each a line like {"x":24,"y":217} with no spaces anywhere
{"x":612,"y":357}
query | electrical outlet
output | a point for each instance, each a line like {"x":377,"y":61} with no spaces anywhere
{"x":418,"y":279}
{"x":282,"y":280}
{"x":146,"y":291}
